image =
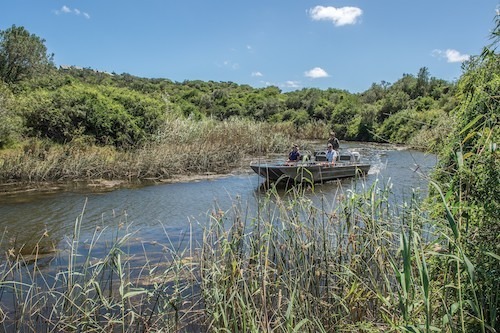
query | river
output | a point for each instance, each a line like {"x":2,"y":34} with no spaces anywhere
{"x":167,"y":212}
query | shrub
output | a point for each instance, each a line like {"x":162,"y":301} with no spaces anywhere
{"x":10,"y":126}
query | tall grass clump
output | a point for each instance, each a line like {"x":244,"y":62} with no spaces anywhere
{"x":298,"y":267}
{"x":467,"y":194}
{"x":360,"y":262}
{"x":98,"y":285}
{"x":180,"y":147}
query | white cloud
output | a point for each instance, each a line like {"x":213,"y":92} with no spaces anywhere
{"x":291,"y":84}
{"x":316,"y":73}
{"x":455,"y":56}
{"x":257,"y":74}
{"x":451,"y":55}
{"x":67,"y":10}
{"x":286,"y":85}
{"x":339,"y":16}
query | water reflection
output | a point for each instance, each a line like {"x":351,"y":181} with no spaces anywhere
{"x":168,"y":212}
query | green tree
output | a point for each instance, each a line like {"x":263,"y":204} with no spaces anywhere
{"x":395,"y":101}
{"x":361,"y":127}
{"x":10,"y":124}
{"x":422,"y":85}
{"x":22,"y":55}
{"x":374,"y":94}
{"x":344,"y":112}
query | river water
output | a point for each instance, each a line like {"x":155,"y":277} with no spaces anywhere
{"x":168,"y":212}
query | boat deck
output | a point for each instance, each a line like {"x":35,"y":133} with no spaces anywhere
{"x":309,"y":171}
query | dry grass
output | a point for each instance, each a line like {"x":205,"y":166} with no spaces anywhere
{"x":182,"y":147}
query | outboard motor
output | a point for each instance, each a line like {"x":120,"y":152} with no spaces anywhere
{"x":355,"y":157}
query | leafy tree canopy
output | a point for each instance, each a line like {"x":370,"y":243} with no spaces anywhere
{"x":22,"y":55}
{"x":123,"y":109}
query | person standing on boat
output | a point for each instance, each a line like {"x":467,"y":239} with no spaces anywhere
{"x":334,"y":141}
{"x":294,"y":155}
{"x":331,"y":154}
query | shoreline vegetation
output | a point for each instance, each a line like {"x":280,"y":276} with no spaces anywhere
{"x":182,"y":150}
{"x":185,"y":149}
{"x":364,"y":265}
{"x":361,"y":265}
{"x":70,"y":123}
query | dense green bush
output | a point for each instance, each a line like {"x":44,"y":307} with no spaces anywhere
{"x":124,"y":110}
{"x":469,"y":173}
{"x":116,"y":116}
{"x":361,"y":127}
{"x":10,"y":124}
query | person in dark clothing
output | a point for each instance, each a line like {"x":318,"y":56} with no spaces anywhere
{"x":334,"y":141}
{"x":294,"y":155}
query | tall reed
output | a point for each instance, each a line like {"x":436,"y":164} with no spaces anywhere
{"x":299,"y":267}
{"x":100,"y":287}
{"x":181,"y":147}
{"x":360,"y":262}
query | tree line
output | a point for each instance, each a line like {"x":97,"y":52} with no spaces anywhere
{"x":39,"y":100}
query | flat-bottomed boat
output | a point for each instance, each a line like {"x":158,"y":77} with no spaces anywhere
{"x":315,"y":171}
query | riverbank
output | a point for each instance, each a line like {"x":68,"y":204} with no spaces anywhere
{"x":139,"y":170}
{"x":96,"y":185}
{"x":182,"y":149}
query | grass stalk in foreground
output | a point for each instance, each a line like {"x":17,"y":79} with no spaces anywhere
{"x":102,"y":288}
{"x":356,"y":264}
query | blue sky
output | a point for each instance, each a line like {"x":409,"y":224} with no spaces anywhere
{"x":291,"y":44}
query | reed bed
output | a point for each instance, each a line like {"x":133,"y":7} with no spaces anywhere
{"x":181,"y":147}
{"x":359,"y":263}
{"x":299,"y":268}
{"x":99,"y":285}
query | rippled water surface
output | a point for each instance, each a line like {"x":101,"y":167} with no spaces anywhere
{"x":166,"y":212}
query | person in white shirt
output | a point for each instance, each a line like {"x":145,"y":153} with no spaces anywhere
{"x":331,"y":154}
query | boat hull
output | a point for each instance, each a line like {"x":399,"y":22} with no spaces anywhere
{"x":309,"y":172}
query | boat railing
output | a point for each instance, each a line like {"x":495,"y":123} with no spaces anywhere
{"x":310,"y":159}
{"x":283,"y":163}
